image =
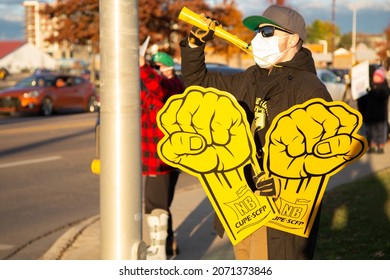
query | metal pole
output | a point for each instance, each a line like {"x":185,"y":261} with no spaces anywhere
{"x":353,"y":36}
{"x":120,"y":150}
{"x":333,"y":29}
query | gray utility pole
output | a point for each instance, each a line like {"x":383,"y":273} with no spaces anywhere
{"x":120,"y":143}
{"x":333,"y":29}
{"x":353,"y":48}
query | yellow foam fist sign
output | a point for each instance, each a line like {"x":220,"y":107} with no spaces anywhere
{"x":207,"y":136}
{"x":305,"y":146}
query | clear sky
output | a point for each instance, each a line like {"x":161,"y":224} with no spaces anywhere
{"x":372,"y":16}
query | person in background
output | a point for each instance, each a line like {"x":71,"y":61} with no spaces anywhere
{"x":165,"y":64}
{"x":374,"y":109}
{"x":159,"y":178}
{"x":284,"y":75}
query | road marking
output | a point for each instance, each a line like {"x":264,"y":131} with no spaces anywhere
{"x":29,"y":161}
{"x":10,"y":131}
{"x":4,"y":247}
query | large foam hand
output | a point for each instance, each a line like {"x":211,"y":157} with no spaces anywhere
{"x":314,"y":140}
{"x":207,"y":135}
{"x":304,"y":147}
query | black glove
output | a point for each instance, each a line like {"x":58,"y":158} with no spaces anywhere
{"x":266,"y":186}
{"x":199,"y":36}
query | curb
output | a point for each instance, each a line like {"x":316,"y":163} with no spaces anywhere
{"x":63,"y":243}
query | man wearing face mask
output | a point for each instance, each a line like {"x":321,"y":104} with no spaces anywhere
{"x":284,"y":75}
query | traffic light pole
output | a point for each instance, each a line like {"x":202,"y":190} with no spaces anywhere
{"x":120,"y":143}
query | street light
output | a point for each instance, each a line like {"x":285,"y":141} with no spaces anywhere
{"x":333,"y":29}
{"x":353,"y":48}
{"x":91,"y":62}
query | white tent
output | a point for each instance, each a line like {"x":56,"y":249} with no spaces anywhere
{"x":27,"y":57}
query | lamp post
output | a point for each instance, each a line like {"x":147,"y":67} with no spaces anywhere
{"x":333,"y":29}
{"x":91,"y":61}
{"x":353,"y":48}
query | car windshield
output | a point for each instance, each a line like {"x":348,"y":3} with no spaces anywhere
{"x":36,"y":81}
{"x":329,"y":77}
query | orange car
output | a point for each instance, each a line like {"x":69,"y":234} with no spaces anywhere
{"x":49,"y":93}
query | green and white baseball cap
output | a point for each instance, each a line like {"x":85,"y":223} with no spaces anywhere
{"x":280,"y":16}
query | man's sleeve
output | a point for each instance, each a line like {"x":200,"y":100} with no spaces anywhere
{"x":193,"y":67}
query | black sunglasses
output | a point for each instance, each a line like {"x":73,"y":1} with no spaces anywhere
{"x":269,"y":30}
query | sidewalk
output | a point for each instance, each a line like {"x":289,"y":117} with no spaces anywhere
{"x":193,"y":220}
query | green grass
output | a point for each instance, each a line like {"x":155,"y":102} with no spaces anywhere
{"x":355,"y":220}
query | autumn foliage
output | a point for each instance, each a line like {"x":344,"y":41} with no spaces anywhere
{"x":74,"y":21}
{"x":77,"y":22}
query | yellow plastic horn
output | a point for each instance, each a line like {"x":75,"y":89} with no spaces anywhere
{"x":194,"y":19}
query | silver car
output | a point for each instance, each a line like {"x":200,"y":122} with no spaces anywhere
{"x":333,"y":83}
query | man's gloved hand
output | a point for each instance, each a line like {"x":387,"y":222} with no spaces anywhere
{"x":199,"y":36}
{"x":266,"y":185}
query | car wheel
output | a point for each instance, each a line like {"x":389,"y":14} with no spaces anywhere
{"x":47,"y":107}
{"x":92,"y":104}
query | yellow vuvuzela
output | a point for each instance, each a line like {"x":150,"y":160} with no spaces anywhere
{"x":196,"y":20}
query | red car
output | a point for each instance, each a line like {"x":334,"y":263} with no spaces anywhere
{"x":49,"y":93}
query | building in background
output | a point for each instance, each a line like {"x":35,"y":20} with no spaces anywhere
{"x":366,"y":49}
{"x":38,"y":27}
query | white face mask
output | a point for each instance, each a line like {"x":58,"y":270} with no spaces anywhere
{"x":266,"y":50}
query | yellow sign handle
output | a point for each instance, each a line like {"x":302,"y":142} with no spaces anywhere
{"x":193,"y":18}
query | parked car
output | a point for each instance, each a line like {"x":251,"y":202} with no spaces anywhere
{"x":333,"y":83}
{"x":343,"y":74}
{"x":214,"y":67}
{"x":42,"y":71}
{"x":49,"y":93}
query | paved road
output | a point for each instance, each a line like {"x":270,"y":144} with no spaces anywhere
{"x":46,"y":183}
